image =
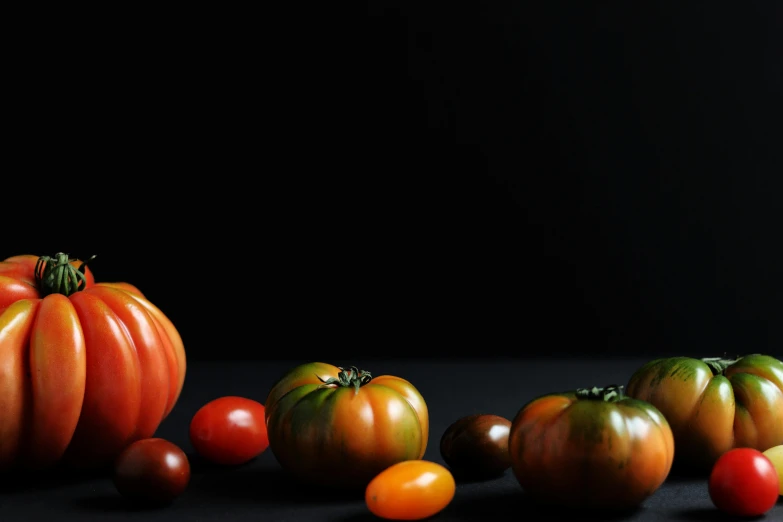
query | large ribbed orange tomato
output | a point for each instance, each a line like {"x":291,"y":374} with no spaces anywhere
{"x":86,"y":368}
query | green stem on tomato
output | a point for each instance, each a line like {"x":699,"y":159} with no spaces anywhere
{"x":56,"y":275}
{"x":718,"y":365}
{"x":612,"y":393}
{"x":351,"y":377}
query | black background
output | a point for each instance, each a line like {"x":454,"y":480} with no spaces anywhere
{"x":416,"y":179}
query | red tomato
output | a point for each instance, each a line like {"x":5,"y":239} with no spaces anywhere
{"x":86,"y":368}
{"x":744,"y":483}
{"x":410,"y":490}
{"x":229,"y":430}
{"x":152,"y":470}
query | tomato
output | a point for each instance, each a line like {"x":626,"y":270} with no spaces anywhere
{"x":229,"y":430}
{"x":152,"y":471}
{"x":86,"y":368}
{"x":744,"y":483}
{"x":775,"y":455}
{"x":591,"y":448}
{"x":476,"y":446}
{"x":410,"y":490}
{"x":342,"y":427}
{"x":714,"y":405}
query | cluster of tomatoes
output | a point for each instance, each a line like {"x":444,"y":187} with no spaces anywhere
{"x":603,"y":448}
{"x":233,"y":430}
{"x":226,"y":431}
{"x":594,"y":448}
{"x":89,"y":370}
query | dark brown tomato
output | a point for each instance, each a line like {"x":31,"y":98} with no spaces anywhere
{"x":152,"y":471}
{"x":476,"y":446}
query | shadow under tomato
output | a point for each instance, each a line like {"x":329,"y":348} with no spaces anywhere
{"x":113,"y":503}
{"x":508,"y":506}
{"x":18,"y":481}
{"x":364,"y":516}
{"x":681,"y":473}
{"x":271,"y":485}
{"x":711,"y":515}
{"x":199,"y":464}
{"x":462,"y":479}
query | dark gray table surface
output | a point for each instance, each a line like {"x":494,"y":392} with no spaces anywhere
{"x":260,"y":490}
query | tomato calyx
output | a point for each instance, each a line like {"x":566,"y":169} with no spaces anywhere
{"x":56,"y":275}
{"x":351,"y":377}
{"x":718,"y":365}
{"x":612,"y":393}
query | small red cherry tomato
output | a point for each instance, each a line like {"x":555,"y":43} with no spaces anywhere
{"x":229,"y":430}
{"x":744,"y":483}
{"x":410,"y":490}
{"x":152,"y":470}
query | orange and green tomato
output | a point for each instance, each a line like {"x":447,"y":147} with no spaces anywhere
{"x":85,"y":368}
{"x":341,"y":427}
{"x":714,"y":404}
{"x":591,"y":448}
{"x":410,"y":490}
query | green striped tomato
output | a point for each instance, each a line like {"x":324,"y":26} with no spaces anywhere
{"x":590,"y":448}
{"x":343,"y":427}
{"x":714,"y":404}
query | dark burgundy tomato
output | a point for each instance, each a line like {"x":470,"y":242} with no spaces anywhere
{"x":229,"y":430}
{"x":476,"y":446}
{"x":152,"y":471}
{"x":744,"y":483}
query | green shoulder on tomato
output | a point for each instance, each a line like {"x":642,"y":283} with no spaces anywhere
{"x":715,"y":404}
{"x":590,"y":448}
{"x":341,"y":427}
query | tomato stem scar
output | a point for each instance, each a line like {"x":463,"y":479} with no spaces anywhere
{"x":718,"y":365}
{"x":610,"y":393}
{"x":351,"y":377}
{"x":56,"y":275}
